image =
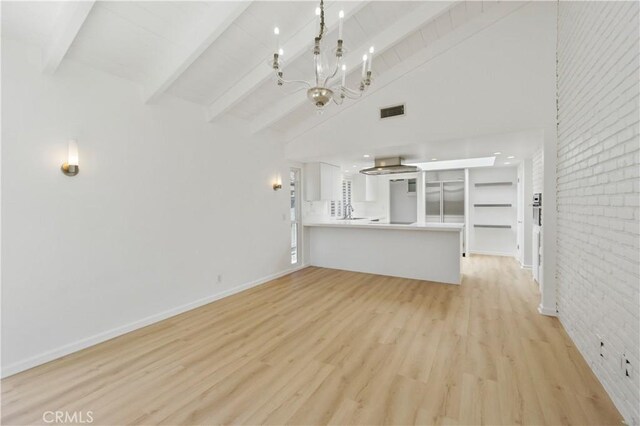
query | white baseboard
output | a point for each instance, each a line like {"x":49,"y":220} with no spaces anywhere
{"x":78,"y":345}
{"x":547,"y":311}
{"x":617,"y":401}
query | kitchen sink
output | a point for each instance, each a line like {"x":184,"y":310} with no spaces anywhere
{"x":351,"y":218}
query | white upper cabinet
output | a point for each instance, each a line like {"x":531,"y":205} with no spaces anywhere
{"x":323,"y":182}
{"x":365,"y":188}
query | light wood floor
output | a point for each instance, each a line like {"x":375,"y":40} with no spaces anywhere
{"x":324,"y":346}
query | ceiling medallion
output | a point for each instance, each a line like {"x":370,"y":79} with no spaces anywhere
{"x":326,"y":86}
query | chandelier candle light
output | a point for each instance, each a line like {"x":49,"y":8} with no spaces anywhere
{"x":326,"y":86}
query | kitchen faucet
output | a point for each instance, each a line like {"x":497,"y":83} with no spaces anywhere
{"x":348,"y":209}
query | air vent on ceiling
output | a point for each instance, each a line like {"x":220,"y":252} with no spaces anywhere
{"x":393,"y":111}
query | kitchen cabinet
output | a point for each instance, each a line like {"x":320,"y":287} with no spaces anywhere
{"x":323,"y":182}
{"x":365,"y":188}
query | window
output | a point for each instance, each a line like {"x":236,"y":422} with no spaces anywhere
{"x":337,"y":207}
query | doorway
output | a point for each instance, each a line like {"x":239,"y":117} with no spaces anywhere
{"x":296,"y":227}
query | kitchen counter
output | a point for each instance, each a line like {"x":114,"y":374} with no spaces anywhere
{"x":366,"y":223}
{"x":424,"y":251}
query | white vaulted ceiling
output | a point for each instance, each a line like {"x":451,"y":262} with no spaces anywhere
{"x":247,"y":43}
{"x":129,"y":39}
{"x":216,"y":53}
{"x":31,"y":22}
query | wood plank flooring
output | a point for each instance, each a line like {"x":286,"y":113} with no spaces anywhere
{"x":323,"y":346}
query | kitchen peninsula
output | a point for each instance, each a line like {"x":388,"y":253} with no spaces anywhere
{"x":424,"y":251}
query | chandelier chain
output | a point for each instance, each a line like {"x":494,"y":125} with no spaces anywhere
{"x":322,"y":28}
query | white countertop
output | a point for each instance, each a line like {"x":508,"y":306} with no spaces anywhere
{"x":367,"y":223}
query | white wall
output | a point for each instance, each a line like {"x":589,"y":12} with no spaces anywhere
{"x":538,"y":170}
{"x":492,"y":240}
{"x":163,"y":204}
{"x":371,"y":209}
{"x":598,"y":190}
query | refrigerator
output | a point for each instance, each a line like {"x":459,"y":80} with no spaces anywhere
{"x":403,"y":202}
{"x":445,"y":201}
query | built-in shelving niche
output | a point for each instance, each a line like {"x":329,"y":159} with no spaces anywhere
{"x":492,"y":210}
{"x":493,"y":204}
{"x":494,"y":184}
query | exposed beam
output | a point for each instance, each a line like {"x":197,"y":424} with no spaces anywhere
{"x":301,"y":43}
{"x":72,"y":16}
{"x":382,"y":41}
{"x":212,"y":26}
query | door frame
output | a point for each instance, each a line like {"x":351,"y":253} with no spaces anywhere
{"x":297,"y":183}
{"x":520,"y":203}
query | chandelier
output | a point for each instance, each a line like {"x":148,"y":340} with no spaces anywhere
{"x":326,"y":86}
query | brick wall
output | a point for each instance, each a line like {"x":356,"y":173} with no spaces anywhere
{"x":598,"y":190}
{"x":538,"y":171}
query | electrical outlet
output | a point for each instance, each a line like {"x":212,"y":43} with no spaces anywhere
{"x":600,"y":346}
{"x":625,"y":366}
{"x":219,"y":279}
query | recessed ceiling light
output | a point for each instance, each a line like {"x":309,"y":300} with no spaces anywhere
{"x":434,"y":159}
{"x":511,"y":156}
{"x":497,"y":153}
{"x":506,"y":163}
{"x":355,"y":165}
{"x":366,"y":156}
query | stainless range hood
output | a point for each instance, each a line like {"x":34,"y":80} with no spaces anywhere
{"x":389,"y":166}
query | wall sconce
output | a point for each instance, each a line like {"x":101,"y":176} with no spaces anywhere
{"x":277,"y":185}
{"x":70,"y":167}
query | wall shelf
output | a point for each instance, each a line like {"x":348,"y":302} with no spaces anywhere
{"x":493,"y":226}
{"x":494,"y":184}
{"x":492,"y":205}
